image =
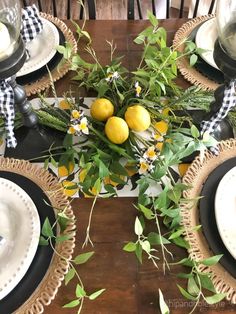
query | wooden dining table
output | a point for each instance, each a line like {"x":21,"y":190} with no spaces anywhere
{"x":131,"y":287}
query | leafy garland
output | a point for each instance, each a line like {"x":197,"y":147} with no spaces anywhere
{"x":92,"y":165}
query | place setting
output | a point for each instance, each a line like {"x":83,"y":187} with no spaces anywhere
{"x":203,"y":32}
{"x":31,"y":273}
{"x":212,"y":183}
{"x":43,"y":56}
{"x":31,"y":197}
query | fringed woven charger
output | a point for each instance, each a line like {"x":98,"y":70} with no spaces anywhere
{"x":62,"y":68}
{"x":199,"y":247}
{"x":191,"y":73}
{"x":58,"y":267}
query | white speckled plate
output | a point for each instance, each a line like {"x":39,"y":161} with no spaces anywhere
{"x":225,"y":210}
{"x":205,"y":39}
{"x":41,"y":49}
{"x":19,"y":234}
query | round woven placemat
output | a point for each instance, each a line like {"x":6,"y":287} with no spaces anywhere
{"x":191,"y":73}
{"x":62,"y":68}
{"x":199,"y":248}
{"x":52,"y":280}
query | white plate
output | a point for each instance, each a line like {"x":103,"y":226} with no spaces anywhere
{"x":41,"y":49}
{"x":205,"y":38}
{"x":225,"y":210}
{"x":20,"y":229}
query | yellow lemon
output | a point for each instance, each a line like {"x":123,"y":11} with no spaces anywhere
{"x":161,"y":127}
{"x":64,"y":171}
{"x":64,"y":104}
{"x":183,"y":169}
{"x":108,"y":180}
{"x":70,"y":188}
{"x":116,"y":129}
{"x":137,"y":118}
{"x":101,"y":109}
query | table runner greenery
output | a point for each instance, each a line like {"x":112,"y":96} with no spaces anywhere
{"x":134,"y":133}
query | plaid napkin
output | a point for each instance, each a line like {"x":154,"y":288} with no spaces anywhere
{"x":229,"y":101}
{"x":31,"y":26}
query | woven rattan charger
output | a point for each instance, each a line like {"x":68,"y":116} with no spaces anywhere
{"x":52,"y":280}
{"x":191,"y":73}
{"x":199,"y":248}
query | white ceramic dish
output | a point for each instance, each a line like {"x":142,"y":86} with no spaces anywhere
{"x":205,"y":38}
{"x":41,"y":49}
{"x":225,"y":210}
{"x":19,"y":231}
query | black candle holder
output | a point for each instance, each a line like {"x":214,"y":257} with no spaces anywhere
{"x":33,"y":141}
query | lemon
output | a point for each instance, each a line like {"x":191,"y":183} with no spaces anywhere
{"x":70,"y":188}
{"x":64,"y":104}
{"x":101,"y":109}
{"x":117,"y":130}
{"x":162,"y":128}
{"x":183,"y":169}
{"x":137,"y":118}
{"x":64,"y":171}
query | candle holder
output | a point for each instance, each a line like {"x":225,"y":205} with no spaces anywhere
{"x":32,"y":139}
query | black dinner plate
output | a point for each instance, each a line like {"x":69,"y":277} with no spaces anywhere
{"x":43,"y":256}
{"x":203,"y":67}
{"x":207,"y":215}
{"x":38,"y":74}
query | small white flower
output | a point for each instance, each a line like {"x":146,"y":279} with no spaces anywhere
{"x":145,"y":166}
{"x":137,"y":89}
{"x":151,"y":153}
{"x":83,"y":126}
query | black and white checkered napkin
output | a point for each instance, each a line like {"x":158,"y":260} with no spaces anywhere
{"x":31,"y":26}
{"x":229,"y":101}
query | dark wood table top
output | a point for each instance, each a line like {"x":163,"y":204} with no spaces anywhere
{"x":131,"y":288}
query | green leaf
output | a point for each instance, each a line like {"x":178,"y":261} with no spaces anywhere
{"x":215,"y":298}
{"x":139,"y":252}
{"x":186,"y":294}
{"x":86,"y":34}
{"x":146,"y":246}
{"x":43,"y":241}
{"x":117,"y":168}
{"x":211,"y":260}
{"x":69,"y":276}
{"x":163,"y":306}
{"x":152,"y":18}
{"x":181,"y":242}
{"x":130,"y":247}
{"x":83,"y":258}
{"x":138,"y":229}
{"x":146,"y":211}
{"x":63,"y":238}
{"x":193,"y":288}
{"x":194,"y":131}
{"x":47,"y":229}
{"x":96,"y":294}
{"x":193,"y":59}
{"x":207,"y":283}
{"x":176,"y":234}
{"x":185,"y":262}
{"x":156,"y":239}
{"x":140,"y":39}
{"x":185,"y":276}
{"x":71,"y":304}
{"x":68,"y":140}
{"x":80,"y":293}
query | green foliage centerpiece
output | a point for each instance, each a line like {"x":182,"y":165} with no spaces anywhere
{"x":133,"y":134}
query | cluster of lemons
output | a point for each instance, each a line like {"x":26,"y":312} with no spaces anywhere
{"x":136,"y":118}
